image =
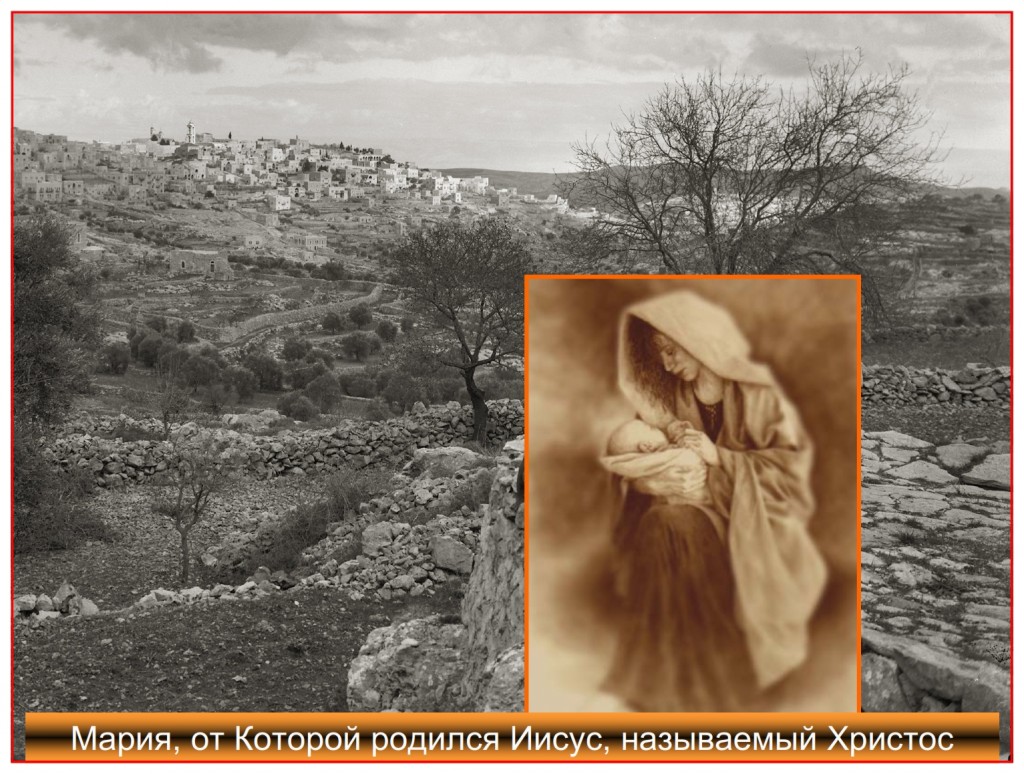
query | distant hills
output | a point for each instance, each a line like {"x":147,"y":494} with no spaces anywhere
{"x":545,"y":183}
{"x":536,"y":183}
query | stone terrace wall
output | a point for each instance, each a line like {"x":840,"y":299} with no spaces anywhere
{"x":288,"y":317}
{"x":975,"y":385}
{"x":115,"y":462}
{"x":931,"y":332}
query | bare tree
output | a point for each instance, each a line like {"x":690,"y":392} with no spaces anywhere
{"x":469,"y":278}
{"x":199,"y":467}
{"x":737,"y":176}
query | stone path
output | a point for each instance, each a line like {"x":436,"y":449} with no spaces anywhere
{"x":935,"y":575}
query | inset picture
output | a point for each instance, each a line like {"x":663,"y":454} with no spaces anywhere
{"x":693,"y":494}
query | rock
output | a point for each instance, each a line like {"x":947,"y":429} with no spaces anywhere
{"x":892,"y":438}
{"x":957,"y":456}
{"x":44,"y":603}
{"x":261,"y":574}
{"x":46,"y":615}
{"x":25,"y":603}
{"x":64,"y":593}
{"x":164,"y":595}
{"x":87,"y":607}
{"x":148,"y":601}
{"x":923,"y":471}
{"x":451,"y":554}
{"x":193,"y":594}
{"x":402,"y":582}
{"x":992,"y":473}
{"x":911,"y":574}
{"x":221,"y":589}
{"x":377,"y":536}
{"x":443,"y":462}
{"x":989,"y":691}
{"x":390,"y":675}
{"x":505,"y":689}
{"x":880,"y":689}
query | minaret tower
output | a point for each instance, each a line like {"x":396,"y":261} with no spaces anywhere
{"x":190,"y":133}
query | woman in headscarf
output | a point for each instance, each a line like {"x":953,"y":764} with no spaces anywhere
{"x":717,"y":592}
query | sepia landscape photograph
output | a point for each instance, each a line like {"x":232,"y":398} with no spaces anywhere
{"x":270,"y":344}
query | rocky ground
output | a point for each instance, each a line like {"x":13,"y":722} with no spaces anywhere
{"x":935,"y":578}
{"x":141,"y":642}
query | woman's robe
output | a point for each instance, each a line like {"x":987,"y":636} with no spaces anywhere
{"x":760,"y":502}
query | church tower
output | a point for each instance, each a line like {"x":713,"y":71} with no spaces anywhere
{"x":190,"y":133}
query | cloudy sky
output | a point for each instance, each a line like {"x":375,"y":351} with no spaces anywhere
{"x":497,"y":91}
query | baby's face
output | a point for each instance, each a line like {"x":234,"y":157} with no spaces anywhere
{"x":650,"y":439}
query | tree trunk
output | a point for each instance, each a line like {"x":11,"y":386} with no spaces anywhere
{"x":184,"y":557}
{"x":476,"y":395}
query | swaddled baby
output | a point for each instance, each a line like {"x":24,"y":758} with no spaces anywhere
{"x":639,"y":450}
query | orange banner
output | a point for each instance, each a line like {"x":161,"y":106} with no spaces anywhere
{"x":71,"y":737}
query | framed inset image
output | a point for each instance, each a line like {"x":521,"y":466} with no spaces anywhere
{"x":693,"y":493}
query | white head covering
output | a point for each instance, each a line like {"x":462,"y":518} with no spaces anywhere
{"x":702,"y":328}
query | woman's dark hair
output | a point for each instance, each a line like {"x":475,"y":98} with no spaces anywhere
{"x":645,"y":359}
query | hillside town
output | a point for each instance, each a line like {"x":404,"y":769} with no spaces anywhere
{"x":289,"y":199}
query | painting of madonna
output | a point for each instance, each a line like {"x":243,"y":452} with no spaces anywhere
{"x":715,"y":560}
{"x":713,"y":576}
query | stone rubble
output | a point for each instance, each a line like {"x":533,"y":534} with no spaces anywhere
{"x":66,"y":602}
{"x":974,"y":385}
{"x":475,"y":664}
{"x":935,"y":570}
{"x":358,"y":444}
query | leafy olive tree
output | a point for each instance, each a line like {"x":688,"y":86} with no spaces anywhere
{"x":469,"y":280}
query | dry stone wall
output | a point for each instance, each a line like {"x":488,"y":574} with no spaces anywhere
{"x":975,"y":385}
{"x":435,"y":664}
{"x":114,"y":462}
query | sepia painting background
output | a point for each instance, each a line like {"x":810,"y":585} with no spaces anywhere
{"x":806,"y":330}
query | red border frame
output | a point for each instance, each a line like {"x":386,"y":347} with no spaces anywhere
{"x":830,"y":12}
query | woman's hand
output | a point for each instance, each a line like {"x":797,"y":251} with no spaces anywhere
{"x":676,"y":483}
{"x":701,"y":445}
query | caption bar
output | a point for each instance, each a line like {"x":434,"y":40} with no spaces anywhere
{"x":510,"y":737}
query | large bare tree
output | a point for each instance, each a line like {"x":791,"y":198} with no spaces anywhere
{"x":736,"y":175}
{"x":469,"y":281}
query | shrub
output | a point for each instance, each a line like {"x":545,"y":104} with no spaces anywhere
{"x":403,"y":391}
{"x":158,"y":324}
{"x":322,"y":355}
{"x":387,"y":330}
{"x":297,"y":406}
{"x":186,"y":332}
{"x":332,"y":322}
{"x":268,"y":371}
{"x":295,"y":349}
{"x":149,"y":349}
{"x":198,"y":371}
{"x":407,"y":324}
{"x":378,"y":411}
{"x":50,"y":511}
{"x":301,"y":374}
{"x":361,"y":314}
{"x":241,"y":380}
{"x":443,"y":389}
{"x":358,"y":345}
{"x":324,"y":391}
{"x":358,"y":386}
{"x":116,"y":357}
{"x":215,"y":397}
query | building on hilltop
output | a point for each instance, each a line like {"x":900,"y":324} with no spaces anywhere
{"x":209,"y":263}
